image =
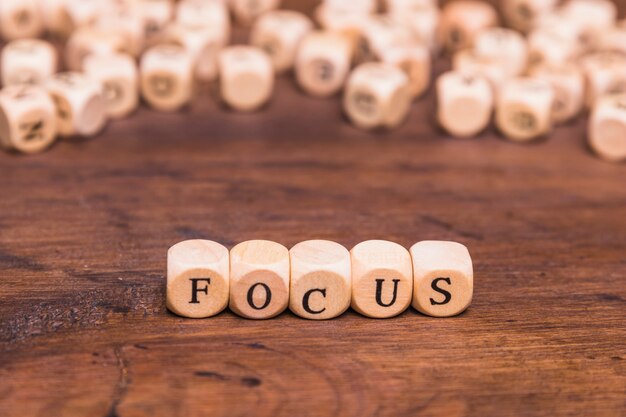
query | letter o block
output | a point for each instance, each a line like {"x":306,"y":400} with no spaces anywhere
{"x":198,"y":274}
{"x":443,"y":278}
{"x":382,"y":278}
{"x":320,"y":279}
{"x":259,"y":279}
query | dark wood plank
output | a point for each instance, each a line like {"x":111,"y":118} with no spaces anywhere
{"x":84,"y":230}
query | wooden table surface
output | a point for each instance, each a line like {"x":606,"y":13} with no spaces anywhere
{"x":85,"y":227}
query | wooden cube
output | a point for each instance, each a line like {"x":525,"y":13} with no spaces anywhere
{"x":202,"y":43}
{"x":156,"y":14}
{"x":320,"y":279}
{"x":198,"y":276}
{"x":211,"y":15}
{"x":246,"y":11}
{"x":607,"y":128}
{"x":464,"y":103}
{"x":377,"y":95}
{"x":54,"y":17}
{"x":279,"y":34}
{"x":27,"y":61}
{"x":594,"y":16}
{"x":522,"y":14}
{"x":563,"y":26}
{"x":118,"y":75}
{"x":259,"y":279}
{"x":613,"y":40}
{"x":323,"y":63}
{"x":505,"y":46}
{"x":80,"y":106}
{"x":382,"y":278}
{"x":549,"y":48}
{"x":20,"y":19}
{"x":468,"y":62}
{"x":246,"y":77}
{"x":28,"y":119}
{"x":352,"y":6}
{"x":568,"y":83}
{"x":83,"y":13}
{"x":88,"y":40}
{"x":461,"y":21}
{"x":346,"y":23}
{"x":443,"y":278}
{"x":605,"y":74}
{"x":380,"y":33}
{"x":524,"y":109}
{"x":166,"y":77}
{"x":422,"y":20}
{"x":127,"y":23}
{"x":415,"y":61}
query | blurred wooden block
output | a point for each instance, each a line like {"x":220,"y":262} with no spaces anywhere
{"x":464,"y":103}
{"x":28,"y":119}
{"x":156,"y":15}
{"x":415,"y":61}
{"x":247,"y":11}
{"x":127,"y":23}
{"x":568,"y":83}
{"x":352,"y":6}
{"x":382,"y":278}
{"x":166,"y":77}
{"x":594,"y":16}
{"x":20,"y":19}
{"x":205,"y":14}
{"x":522,"y":14}
{"x":572,"y":31}
{"x":83,"y":13}
{"x":461,"y":21}
{"x":377,"y":95}
{"x":607,"y":128}
{"x":118,"y":75}
{"x":605,"y":74}
{"x":80,"y":106}
{"x":524,"y":109}
{"x":548,"y":47}
{"x":259,"y":279}
{"x":202,"y":43}
{"x":279,"y":34}
{"x":88,"y":40}
{"x":612,"y":40}
{"x":323,"y":63}
{"x":443,"y":278}
{"x":198,"y":275}
{"x":246,"y":77}
{"x":468,"y":62}
{"x":506,"y":46}
{"x":422,"y":20}
{"x":27,"y":61}
{"x":380,"y":33}
{"x":320,"y":279}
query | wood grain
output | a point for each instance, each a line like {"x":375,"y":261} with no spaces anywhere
{"x":85,"y":227}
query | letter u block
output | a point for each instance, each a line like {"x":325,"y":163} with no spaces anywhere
{"x":443,"y":278}
{"x":382,"y":278}
{"x":198,"y":273}
{"x":320,"y":279}
{"x":259,"y":279}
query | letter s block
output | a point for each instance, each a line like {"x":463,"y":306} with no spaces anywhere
{"x":382,"y":278}
{"x":443,"y":278}
{"x":320,"y":279}
{"x":259,"y":279}
{"x":198,"y":274}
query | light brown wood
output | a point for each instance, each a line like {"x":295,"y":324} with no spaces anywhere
{"x":198,"y":274}
{"x":279,"y":34}
{"x":89,"y":40}
{"x":128,"y":22}
{"x":20,"y":19}
{"x":82,"y":13}
{"x":27,"y":119}
{"x":27,"y":61}
{"x":246,"y":11}
{"x":421,"y":17}
{"x":381,"y":32}
{"x":607,"y":128}
{"x":568,"y":84}
{"x":156,"y":14}
{"x":259,"y":279}
{"x":118,"y":75}
{"x":522,"y":14}
{"x":208,"y":15}
{"x":382,"y":278}
{"x":202,"y":43}
{"x":443,"y":278}
{"x":320,"y":280}
{"x":524,"y":109}
{"x":612,"y":39}
{"x":468,"y":62}
{"x":593,"y":16}
{"x":80,"y":106}
{"x":377,"y":95}
{"x":415,"y":61}
{"x":605,"y":73}
{"x":54,"y":18}
{"x":462,"y":20}
{"x":550,"y":48}
{"x":505,"y":46}
{"x":167,"y":77}
{"x":464,"y":103}
{"x":246,"y":77}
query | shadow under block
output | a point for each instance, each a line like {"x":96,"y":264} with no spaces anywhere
{"x":198,"y":273}
{"x":320,"y":279}
{"x":443,"y":278}
{"x":259,"y":279}
{"x":382,"y":278}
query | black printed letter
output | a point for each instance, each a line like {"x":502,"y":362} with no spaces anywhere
{"x":195,"y":290}
{"x":379,"y":292}
{"x":268,"y":296}
{"x":445,"y":293}
{"x":305,"y":301}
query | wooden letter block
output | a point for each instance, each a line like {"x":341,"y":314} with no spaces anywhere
{"x":209,"y":15}
{"x":422,"y":19}
{"x":607,"y":128}
{"x":117,"y":73}
{"x":548,"y":47}
{"x":323,"y":63}
{"x":521,"y":14}
{"x":380,"y":33}
{"x":320,"y":280}
{"x":524,"y":109}
{"x":80,"y":106}
{"x":279,"y":34}
{"x":468,"y":62}
{"x":443,"y":278}
{"x":27,"y":61}
{"x":156,"y":15}
{"x":593,"y":16}
{"x":86,"y":41}
{"x":246,"y":77}
{"x":382,"y":278}
{"x":198,"y":273}
{"x":259,"y":279}
{"x":377,"y":95}
{"x":461,"y":21}
{"x":27,"y":119}
{"x":505,"y":46}
{"x":568,"y":83}
{"x":202,"y":43}
{"x":166,"y":77}
{"x":414,"y":60}
{"x":605,"y":74}
{"x":128,"y":23}
{"x":464,"y":103}
{"x":246,"y":11}
{"x":20,"y":19}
